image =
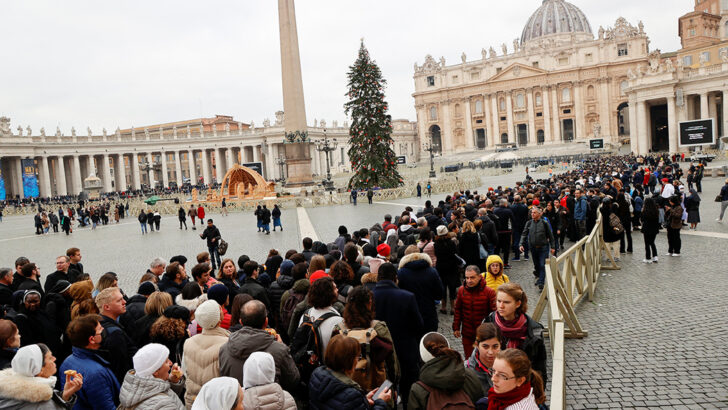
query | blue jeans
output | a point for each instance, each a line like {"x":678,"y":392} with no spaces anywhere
{"x":539,"y":256}
{"x":144,"y":227}
{"x":214,"y":256}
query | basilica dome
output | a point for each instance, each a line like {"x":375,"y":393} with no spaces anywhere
{"x":556,"y":17}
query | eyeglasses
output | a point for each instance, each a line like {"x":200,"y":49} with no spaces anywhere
{"x":501,"y":376}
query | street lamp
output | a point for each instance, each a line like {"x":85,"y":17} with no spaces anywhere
{"x":145,"y":166}
{"x":327,"y":146}
{"x":281,"y":161}
{"x":431,"y":147}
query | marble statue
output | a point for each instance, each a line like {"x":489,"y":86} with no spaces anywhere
{"x":601,"y":33}
{"x":189,"y":131}
{"x":118,"y":132}
{"x":491,"y":52}
{"x":334,"y":124}
{"x":146,"y":133}
{"x":58,"y":132}
{"x":133,"y":133}
{"x":214,"y":130}
{"x":597,"y":128}
{"x":42,"y":131}
{"x":5,"y":127}
{"x":73,"y":131}
{"x":28,"y":130}
{"x":483,"y":53}
{"x":703,"y":59}
{"x":88,"y":131}
{"x":252,"y":125}
{"x":103,"y":132}
{"x":20,"y":131}
{"x":174,"y":131}
{"x":161,"y":133}
{"x":266,"y":123}
{"x":315,"y":121}
{"x":631,"y":74}
{"x":346,"y":124}
{"x":515,"y":45}
{"x":668,"y":66}
{"x":322,"y":123}
{"x":641,"y":27}
{"x":279,"y":118}
{"x":442,"y":61}
{"x":724,"y":55}
{"x":227,"y":128}
{"x":202,"y":131}
{"x":504,"y":48}
{"x":463,"y":57}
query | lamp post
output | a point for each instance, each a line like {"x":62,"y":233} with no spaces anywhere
{"x":145,"y":166}
{"x":431,"y":147}
{"x":327,"y":146}
{"x":281,"y":161}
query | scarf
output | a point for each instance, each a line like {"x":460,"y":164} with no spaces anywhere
{"x":514,"y":330}
{"x":499,"y":401}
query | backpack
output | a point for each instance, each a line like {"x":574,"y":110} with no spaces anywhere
{"x":371,"y":370}
{"x":294,"y":298}
{"x":441,"y":399}
{"x":306,"y":348}
{"x":615,"y":223}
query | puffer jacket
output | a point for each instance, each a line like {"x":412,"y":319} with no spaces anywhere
{"x":417,"y":275}
{"x":472,"y":306}
{"x":29,"y":393}
{"x":480,"y":370}
{"x":100,"y":389}
{"x":247,"y":340}
{"x":494,"y":281}
{"x":446,"y":374}
{"x":201,"y":360}
{"x":134,"y":310}
{"x":268,"y":397}
{"x":331,"y":390}
{"x":141,"y":393}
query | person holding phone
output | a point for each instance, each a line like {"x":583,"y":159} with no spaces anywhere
{"x":342,"y":354}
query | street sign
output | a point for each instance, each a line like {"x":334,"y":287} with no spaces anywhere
{"x":596,"y":143}
{"x":402,"y":159}
{"x":697,"y":132}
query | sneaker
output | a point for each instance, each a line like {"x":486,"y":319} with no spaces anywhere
{"x":540,"y":287}
{"x":668,"y":254}
{"x":516,"y":259}
{"x":718,"y":219}
{"x":507,"y":267}
{"x":526,"y":258}
{"x":675,"y":254}
{"x":647,"y":260}
{"x":654,"y":259}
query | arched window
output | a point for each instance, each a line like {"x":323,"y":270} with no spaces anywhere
{"x":478,"y":107}
{"x":520,"y":103}
{"x":538,"y":99}
{"x":504,"y":138}
{"x":502,"y":104}
{"x":433,"y":113}
{"x":566,"y":94}
{"x":623,"y":87}
{"x":590,"y":92}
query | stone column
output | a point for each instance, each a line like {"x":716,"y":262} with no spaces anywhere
{"x":206,"y":168}
{"x":61,"y":187}
{"x":91,"y":166}
{"x":229,"y":160}
{"x":446,"y":130}
{"x":633,"y":132}
{"x":165,"y":170}
{"x":256,"y":155}
{"x":76,"y":173}
{"x":45,"y":178}
{"x":704,"y":112}
{"x":643,"y":141}
{"x":219,"y":164}
{"x":107,"y":174}
{"x":177,"y":169}
{"x":556,"y":119}
{"x":531,"y":118}
{"x":672,"y":124}
{"x":488,"y":120}
{"x":496,"y":120}
{"x":605,"y":116}
{"x":150,"y":174}
{"x":135,"y":177}
{"x":547,"y":137}
{"x":192,"y":166}
{"x":509,"y":117}
{"x":19,"y":178}
{"x":725,"y":114}
{"x":580,"y":131}
{"x":120,"y":172}
{"x":469,"y":142}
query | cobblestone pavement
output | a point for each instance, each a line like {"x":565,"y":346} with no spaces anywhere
{"x":648,"y":343}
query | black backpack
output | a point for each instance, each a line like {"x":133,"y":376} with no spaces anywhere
{"x":306,"y":348}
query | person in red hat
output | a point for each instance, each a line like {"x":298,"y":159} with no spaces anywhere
{"x":383,"y":252}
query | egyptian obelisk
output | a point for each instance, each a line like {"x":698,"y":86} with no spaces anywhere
{"x":298,"y":157}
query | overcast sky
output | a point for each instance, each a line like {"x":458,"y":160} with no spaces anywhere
{"x":123,"y":63}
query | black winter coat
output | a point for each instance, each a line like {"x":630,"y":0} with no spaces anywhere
{"x":533,"y":345}
{"x":253,"y":288}
{"x":134,"y":311}
{"x":276,"y":291}
{"x":329,"y":390}
{"x":417,"y":276}
{"x":445,"y":251}
{"x":119,"y":346}
{"x":468,"y":248}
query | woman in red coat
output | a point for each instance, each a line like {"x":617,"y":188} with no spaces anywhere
{"x":201,"y":214}
{"x":474,"y":303}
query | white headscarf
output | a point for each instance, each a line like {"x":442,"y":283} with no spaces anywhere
{"x":217,"y":394}
{"x":28,"y":362}
{"x":259,"y":369}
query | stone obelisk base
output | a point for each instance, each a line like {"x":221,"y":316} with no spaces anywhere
{"x":298,"y":163}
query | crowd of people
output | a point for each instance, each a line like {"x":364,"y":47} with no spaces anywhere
{"x":348,"y":324}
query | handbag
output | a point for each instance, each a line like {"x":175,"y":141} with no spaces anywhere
{"x":481,"y":249}
{"x":460,"y":261}
{"x":719,"y":198}
{"x":222,"y":247}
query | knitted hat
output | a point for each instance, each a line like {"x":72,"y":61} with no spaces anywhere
{"x":149,"y":359}
{"x":441,"y":230}
{"x":177,"y":312}
{"x":208,"y":314}
{"x":317,"y":275}
{"x":146,"y":288}
{"x":219,"y":293}
{"x":179,"y":258}
{"x":286,"y":267}
{"x":536,"y":202}
{"x":384,"y":249}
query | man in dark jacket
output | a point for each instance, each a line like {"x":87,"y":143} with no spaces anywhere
{"x":31,"y":278}
{"x":117,"y":343}
{"x":253,"y":338}
{"x":417,"y":275}
{"x":504,"y":226}
{"x":279,"y":286}
{"x":488,"y":230}
{"x":212,"y":234}
{"x":252,"y":286}
{"x":307,"y":252}
{"x":17,"y":276}
{"x":265,"y":219}
{"x":520,"y":217}
{"x":173,"y":280}
{"x":475,"y":301}
{"x":61,"y":273}
{"x":75,"y":268}
{"x":135,"y":305}
{"x":6,"y":293}
{"x":399,"y":309}
{"x":541,"y":240}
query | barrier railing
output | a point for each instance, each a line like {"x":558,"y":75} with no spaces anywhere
{"x":570,"y":277}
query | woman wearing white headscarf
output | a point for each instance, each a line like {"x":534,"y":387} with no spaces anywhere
{"x":220,"y":393}
{"x":261,"y":390}
{"x":154,"y":383}
{"x":29,"y":383}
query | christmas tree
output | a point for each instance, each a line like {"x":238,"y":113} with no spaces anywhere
{"x":372,"y":157}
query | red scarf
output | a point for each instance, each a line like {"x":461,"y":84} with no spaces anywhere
{"x":499,"y":401}
{"x":514,"y":330}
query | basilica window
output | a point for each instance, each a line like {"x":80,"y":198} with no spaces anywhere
{"x":564,"y":61}
{"x":706,"y":56}
{"x":431,"y":81}
{"x":538,"y":99}
{"x":478,"y":107}
{"x":502,"y":104}
{"x":590,"y":92}
{"x":475,"y":75}
{"x":520,"y":103}
{"x":622,"y":50}
{"x":433,"y":113}
{"x":588,"y":58}
{"x":566,"y":95}
{"x":688,"y":60}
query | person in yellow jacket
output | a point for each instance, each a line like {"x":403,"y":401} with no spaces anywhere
{"x":494,"y":275}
